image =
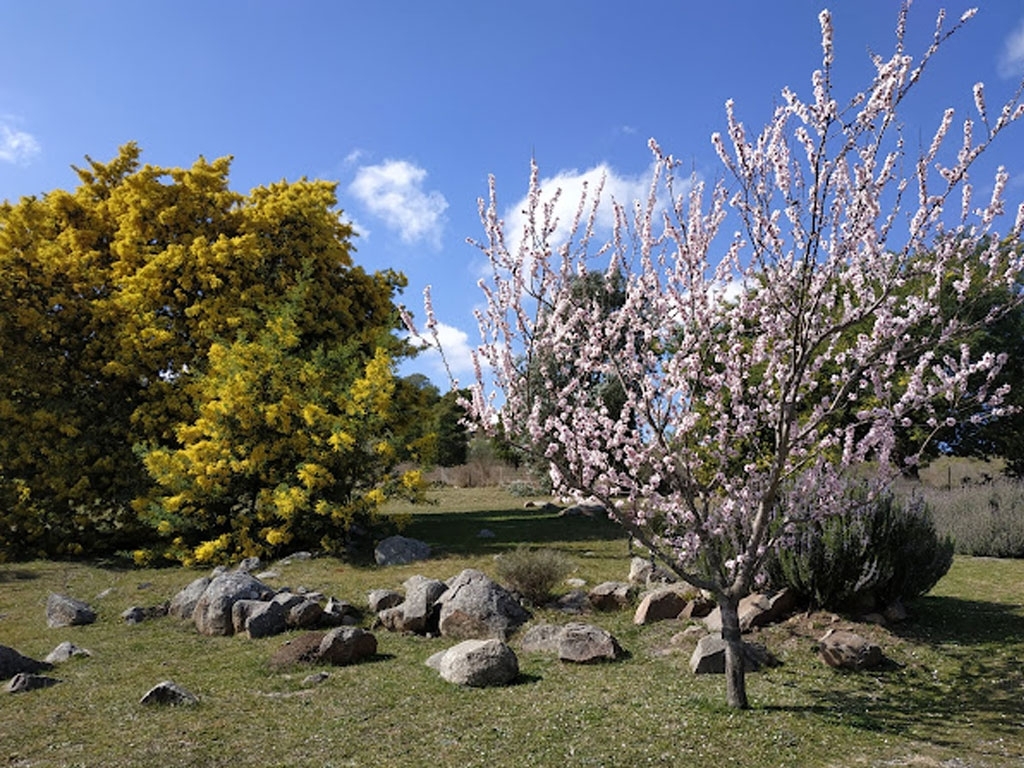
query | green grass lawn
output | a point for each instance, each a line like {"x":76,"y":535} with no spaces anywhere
{"x":952,"y":696}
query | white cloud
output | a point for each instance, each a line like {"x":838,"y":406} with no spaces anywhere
{"x":621,"y":189}
{"x":393,"y":191}
{"x":354,"y":156}
{"x":457,"y":351}
{"x":1011,"y":61}
{"x":17,"y":146}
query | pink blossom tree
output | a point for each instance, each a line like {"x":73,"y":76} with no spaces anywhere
{"x":742,"y":355}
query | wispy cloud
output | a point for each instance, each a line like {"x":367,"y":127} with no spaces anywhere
{"x":16,"y":146}
{"x":1011,"y":61}
{"x":457,"y":351}
{"x":394,"y":192}
{"x":618,"y":188}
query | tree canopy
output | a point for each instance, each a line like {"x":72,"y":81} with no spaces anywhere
{"x":183,"y":358}
{"x":761,"y":371}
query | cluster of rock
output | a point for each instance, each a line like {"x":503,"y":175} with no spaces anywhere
{"x":22,"y":672}
{"x":475,"y":609}
{"x":469,"y":607}
{"x":236,"y":602}
{"x":575,"y":642}
{"x":667,"y":599}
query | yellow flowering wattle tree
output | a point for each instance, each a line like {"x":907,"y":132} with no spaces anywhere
{"x":182,"y":359}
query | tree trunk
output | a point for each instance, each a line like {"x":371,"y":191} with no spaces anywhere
{"x":735,"y":667}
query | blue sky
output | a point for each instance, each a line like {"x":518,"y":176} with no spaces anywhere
{"x":410,"y":105}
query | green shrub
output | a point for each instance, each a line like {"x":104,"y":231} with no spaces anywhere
{"x":875,"y":553}
{"x":533,"y":573}
{"x":983,"y":520}
{"x":523,"y":488}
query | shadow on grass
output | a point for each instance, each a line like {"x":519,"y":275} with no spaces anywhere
{"x":16,"y":574}
{"x":915,"y":704}
{"x":525,"y":679}
{"x":977,"y":681}
{"x":956,"y":620}
{"x":459,"y":532}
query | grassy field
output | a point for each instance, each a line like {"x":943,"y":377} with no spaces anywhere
{"x":952,"y":696}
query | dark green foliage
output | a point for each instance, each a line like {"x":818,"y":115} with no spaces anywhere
{"x":533,"y":573}
{"x":880,"y":551}
{"x":430,"y":429}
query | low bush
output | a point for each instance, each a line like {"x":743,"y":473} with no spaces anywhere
{"x":533,"y":573}
{"x":879,"y":551}
{"x":525,"y":488}
{"x":983,"y":520}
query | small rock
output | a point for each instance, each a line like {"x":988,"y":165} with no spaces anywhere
{"x":184,"y":602}
{"x":106,"y":593}
{"x":392,"y":619}
{"x":399,"y":550}
{"x":479,"y":663}
{"x":584,"y":510}
{"x":659,"y":605}
{"x":304,"y":649}
{"x":266,"y":621}
{"x":241,"y":610}
{"x":248,"y":565}
{"x":760,"y":610}
{"x":419,"y":609}
{"x":268,"y":575}
{"x":709,"y":656}
{"x":338,"y":612}
{"x":698,"y":608}
{"x":65,"y":651}
{"x":380,"y":599}
{"x":287,"y":600}
{"x":134,"y":615}
{"x":574,"y":642}
{"x":755,"y":610}
{"x":585,"y":643}
{"x":842,"y":649}
{"x":170,"y":693}
{"x":611,"y":596}
{"x":347,"y":645}
{"x":475,"y":606}
{"x":315,"y":679}
{"x":64,"y":611}
{"x":687,"y":635}
{"x":644,"y":573}
{"x":541,"y":638}
{"x":576,"y":601}
{"x":305,"y":615}
{"x":27,"y":681}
